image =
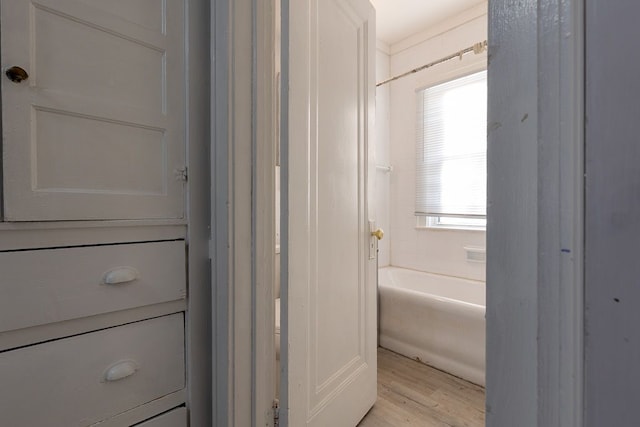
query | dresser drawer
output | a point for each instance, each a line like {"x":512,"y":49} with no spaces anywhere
{"x":84,"y":379}
{"x":175,"y":418}
{"x":52,"y":285}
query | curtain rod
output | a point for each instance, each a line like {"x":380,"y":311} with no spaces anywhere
{"x":477,"y":48}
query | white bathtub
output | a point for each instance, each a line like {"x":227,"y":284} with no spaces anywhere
{"x":438,"y":320}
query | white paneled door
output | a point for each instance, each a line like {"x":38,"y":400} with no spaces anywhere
{"x":331,"y":294}
{"x":93,"y":109}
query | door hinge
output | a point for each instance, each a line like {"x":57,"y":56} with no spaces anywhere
{"x":276,"y":413}
{"x":181,"y":174}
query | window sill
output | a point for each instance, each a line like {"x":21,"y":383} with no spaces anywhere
{"x":450,"y":228}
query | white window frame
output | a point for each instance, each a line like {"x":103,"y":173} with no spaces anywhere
{"x":440,"y":221}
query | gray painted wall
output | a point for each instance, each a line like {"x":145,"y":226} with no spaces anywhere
{"x":612,"y":359}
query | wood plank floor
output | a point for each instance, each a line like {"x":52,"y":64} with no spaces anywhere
{"x":413,"y":394}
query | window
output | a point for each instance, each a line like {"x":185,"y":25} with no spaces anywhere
{"x":451,"y":153}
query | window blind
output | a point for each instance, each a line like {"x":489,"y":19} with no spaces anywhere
{"x":451,"y":148}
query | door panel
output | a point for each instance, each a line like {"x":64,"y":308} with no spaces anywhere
{"x":335,"y":210}
{"x":148,"y":14}
{"x":97,"y":130}
{"x":61,"y":139}
{"x":331,"y":282}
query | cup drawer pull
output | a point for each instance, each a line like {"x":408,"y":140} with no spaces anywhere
{"x":121,"y":370}
{"x":120,"y":275}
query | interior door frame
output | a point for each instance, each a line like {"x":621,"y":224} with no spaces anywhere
{"x":198,"y":325}
{"x":242,"y":246}
{"x":535,"y":232}
{"x":535,"y":235}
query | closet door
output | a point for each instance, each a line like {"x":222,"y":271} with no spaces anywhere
{"x":93,"y":109}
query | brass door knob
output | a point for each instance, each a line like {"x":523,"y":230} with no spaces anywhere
{"x":17,"y":74}
{"x":379,"y":234}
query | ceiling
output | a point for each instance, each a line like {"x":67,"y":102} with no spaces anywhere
{"x":399,"y":19}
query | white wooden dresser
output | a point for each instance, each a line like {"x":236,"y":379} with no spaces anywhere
{"x":93,"y":252}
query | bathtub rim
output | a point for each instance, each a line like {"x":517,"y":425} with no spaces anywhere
{"x":432,"y":295}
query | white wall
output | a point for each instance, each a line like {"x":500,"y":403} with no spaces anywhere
{"x":436,"y":251}
{"x":383,"y":156}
